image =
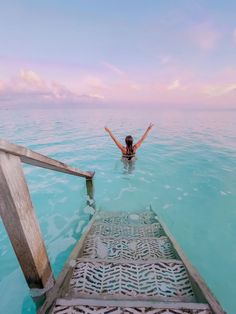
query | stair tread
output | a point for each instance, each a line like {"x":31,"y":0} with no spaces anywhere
{"x":116,"y":230}
{"x":128,"y":248}
{"x":164,"y":279}
{"x":144,"y":217}
{"x":90,"y":306}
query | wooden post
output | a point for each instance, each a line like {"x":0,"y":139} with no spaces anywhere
{"x":90,"y":193}
{"x":89,"y":186}
{"x":20,"y":221}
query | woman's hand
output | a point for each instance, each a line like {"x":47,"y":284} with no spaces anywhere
{"x":150,"y":126}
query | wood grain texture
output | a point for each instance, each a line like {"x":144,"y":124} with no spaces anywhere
{"x":30,"y":157}
{"x":21,"y":224}
{"x":90,"y":188}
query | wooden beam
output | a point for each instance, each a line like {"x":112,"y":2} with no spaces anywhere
{"x":21,"y":224}
{"x":30,"y":157}
{"x":135,"y":303}
{"x":90,"y":190}
{"x":90,"y":195}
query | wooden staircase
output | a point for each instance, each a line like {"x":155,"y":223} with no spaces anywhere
{"x":128,"y":264}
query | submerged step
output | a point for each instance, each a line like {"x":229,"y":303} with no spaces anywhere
{"x":146,"y":217}
{"x":119,"y":230}
{"x":163,"y":280}
{"x":128,"y":248}
{"x":64,"y":307}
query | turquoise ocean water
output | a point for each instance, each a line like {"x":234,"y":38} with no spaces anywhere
{"x":186,"y":170}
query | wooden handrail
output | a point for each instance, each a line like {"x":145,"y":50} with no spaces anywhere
{"x":30,"y":157}
{"x":17,"y":211}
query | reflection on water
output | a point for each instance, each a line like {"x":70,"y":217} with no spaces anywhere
{"x":185,"y":170}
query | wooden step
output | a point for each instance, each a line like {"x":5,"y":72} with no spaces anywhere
{"x":122,"y":230}
{"x":159,"y":280}
{"x":90,"y":306}
{"x":128,"y":248}
{"x":142,"y":218}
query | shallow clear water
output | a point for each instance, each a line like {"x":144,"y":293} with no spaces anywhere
{"x":186,"y":170}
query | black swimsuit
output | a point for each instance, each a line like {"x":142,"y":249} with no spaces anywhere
{"x":128,"y":156}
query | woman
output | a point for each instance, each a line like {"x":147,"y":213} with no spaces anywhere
{"x":129,"y":150}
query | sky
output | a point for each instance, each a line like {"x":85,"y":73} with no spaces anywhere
{"x":178,"y":54}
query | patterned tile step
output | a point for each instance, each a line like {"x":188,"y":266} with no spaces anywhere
{"x":85,"y":309}
{"x":114,"y":230}
{"x":162,"y":280}
{"x":146,"y":217}
{"x":68,"y":307}
{"x":128,"y":248}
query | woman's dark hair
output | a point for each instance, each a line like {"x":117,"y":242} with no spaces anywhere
{"x":129,"y":145}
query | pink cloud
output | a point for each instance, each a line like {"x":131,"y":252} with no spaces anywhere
{"x":31,"y":78}
{"x":29,"y":87}
{"x":220,"y":90}
{"x":174,"y":87}
{"x":93,"y":83}
{"x":2,"y":86}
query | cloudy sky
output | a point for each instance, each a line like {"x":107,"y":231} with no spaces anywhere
{"x":128,"y":52}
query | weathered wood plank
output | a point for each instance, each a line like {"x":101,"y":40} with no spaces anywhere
{"x":132,"y":303}
{"x":187,"y":299}
{"x":30,"y":157}
{"x":90,"y":189}
{"x":21,"y":224}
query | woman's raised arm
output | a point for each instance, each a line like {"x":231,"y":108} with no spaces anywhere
{"x":138,"y":144}
{"x":119,"y":145}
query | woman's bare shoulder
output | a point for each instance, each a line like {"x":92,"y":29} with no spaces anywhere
{"x":123,"y":150}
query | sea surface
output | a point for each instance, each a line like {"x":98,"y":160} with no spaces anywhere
{"x":186,"y":169}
